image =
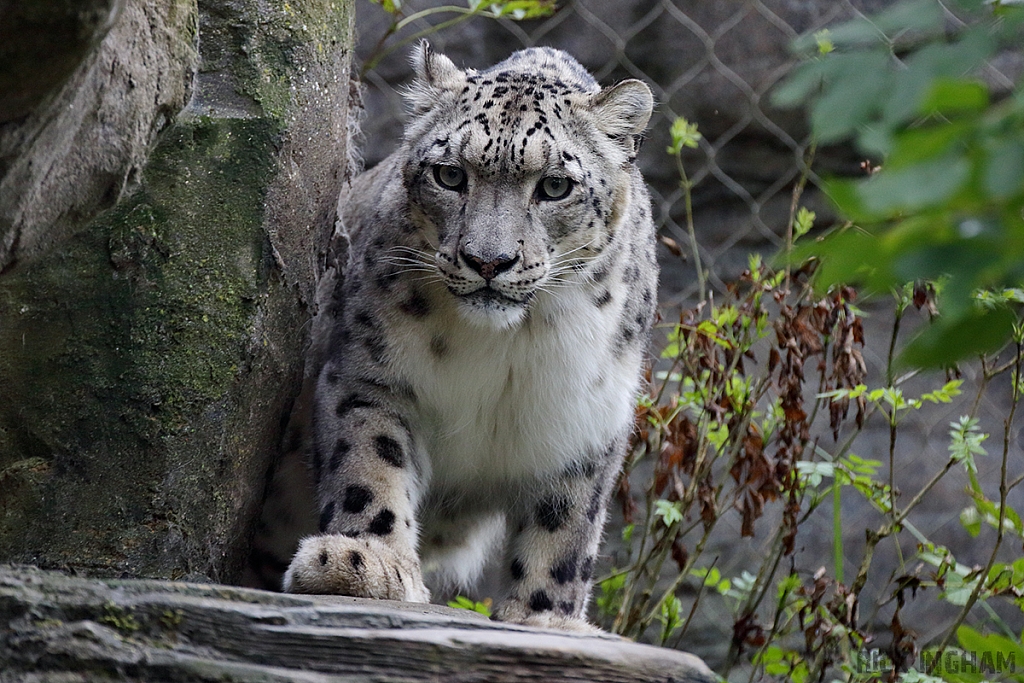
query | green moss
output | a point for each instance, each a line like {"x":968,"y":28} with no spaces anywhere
{"x":191,"y":244}
{"x":172,"y":619}
{"x":140,"y":403}
{"x":292,"y":33}
{"x":115,"y":350}
{"x":119,"y":618}
{"x":47,"y":623}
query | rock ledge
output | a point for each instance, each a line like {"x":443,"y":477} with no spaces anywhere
{"x":55,"y":627}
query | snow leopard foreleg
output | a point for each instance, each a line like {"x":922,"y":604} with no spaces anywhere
{"x":367,"y":484}
{"x":554,"y":536}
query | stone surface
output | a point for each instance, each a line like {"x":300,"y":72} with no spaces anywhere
{"x":53,"y":627}
{"x":147,"y":359}
{"x":86,"y":86}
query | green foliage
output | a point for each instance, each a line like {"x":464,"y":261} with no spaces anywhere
{"x":119,"y":618}
{"x":965,"y":442}
{"x":462,"y":602}
{"x":684,"y":134}
{"x":948,"y":201}
{"x":517,"y":10}
{"x":728,"y":428}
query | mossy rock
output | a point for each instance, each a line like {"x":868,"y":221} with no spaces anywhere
{"x":146,"y":360}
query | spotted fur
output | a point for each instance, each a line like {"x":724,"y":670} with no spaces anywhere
{"x":484,"y":346}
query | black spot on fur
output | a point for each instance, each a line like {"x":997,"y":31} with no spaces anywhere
{"x":540,"y":602}
{"x":603,"y":300}
{"x":587,"y":568}
{"x":376,"y":347}
{"x":351,"y":403}
{"x":627,"y":333}
{"x":566,"y":607}
{"x":564,"y":571}
{"x":326,"y":516}
{"x":364,"y":319}
{"x":586,"y":467}
{"x":416,"y":305}
{"x":357,"y":498}
{"x":516,"y":570}
{"x":355,"y":559}
{"x":323,"y":557}
{"x":595,"y":504}
{"x":340,"y":451}
{"x":438,"y":347}
{"x":553,"y":512}
{"x":383,"y":523}
{"x":389,"y":450}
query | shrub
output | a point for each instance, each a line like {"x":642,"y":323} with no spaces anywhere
{"x":758,"y":398}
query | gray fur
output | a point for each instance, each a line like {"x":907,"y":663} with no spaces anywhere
{"x":486,"y":341}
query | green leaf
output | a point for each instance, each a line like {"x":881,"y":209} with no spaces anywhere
{"x":846,"y":257}
{"x":957,"y":590}
{"x":610,"y":597}
{"x":800,"y":84}
{"x":710,"y":576}
{"x":823,"y":39}
{"x":523,"y":9}
{"x":992,"y":651}
{"x":684,"y":134}
{"x":803,"y":222}
{"x":912,"y":675}
{"x":923,"y":16}
{"x":946,"y":394}
{"x":920,"y":144}
{"x":970,"y":520}
{"x":950,"y":96}
{"x":1004,"y":170}
{"x":934,"y":62}
{"x":965,"y":439}
{"x":840,"y":110}
{"x":914,"y":187}
{"x":670,"y":512}
{"x":462,"y":602}
{"x":949,"y":340}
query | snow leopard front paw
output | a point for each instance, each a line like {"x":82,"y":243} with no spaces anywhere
{"x":515,"y":612}
{"x":365,"y":568}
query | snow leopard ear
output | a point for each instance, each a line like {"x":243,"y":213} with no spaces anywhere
{"x":435,"y":74}
{"x":624,"y":108}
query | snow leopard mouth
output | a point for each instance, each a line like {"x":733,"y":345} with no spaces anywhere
{"x":488,"y":297}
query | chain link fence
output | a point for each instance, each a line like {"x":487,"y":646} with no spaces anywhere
{"x":715,"y":63}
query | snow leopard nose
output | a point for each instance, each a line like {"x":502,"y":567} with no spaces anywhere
{"x":489,"y":270}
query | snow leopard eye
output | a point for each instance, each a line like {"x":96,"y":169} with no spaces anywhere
{"x":450,"y":177}
{"x":554,"y":187}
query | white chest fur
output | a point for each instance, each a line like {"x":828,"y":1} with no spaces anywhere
{"x":500,"y":405}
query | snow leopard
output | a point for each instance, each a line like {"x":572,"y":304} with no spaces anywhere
{"x":484,"y":342}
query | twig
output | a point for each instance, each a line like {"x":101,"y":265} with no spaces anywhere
{"x":1000,"y":524}
{"x":687,"y":185}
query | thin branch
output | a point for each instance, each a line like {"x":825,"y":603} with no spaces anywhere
{"x":1001,"y":522}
